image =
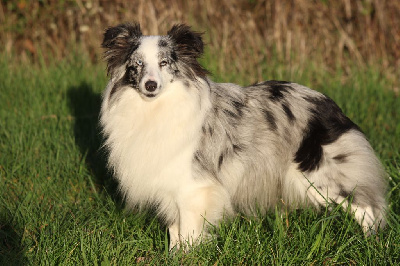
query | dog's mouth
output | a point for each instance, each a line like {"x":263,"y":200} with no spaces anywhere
{"x":150,"y":95}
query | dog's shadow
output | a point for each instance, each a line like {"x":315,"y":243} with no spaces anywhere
{"x":85,"y":104}
{"x":11,"y":250}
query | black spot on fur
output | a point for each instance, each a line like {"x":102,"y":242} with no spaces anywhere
{"x":197,"y":157}
{"x":270,"y":118}
{"x":200,"y":160}
{"x":277,"y":82}
{"x":162,"y":43}
{"x":276,"y":92}
{"x":309,"y":154}
{"x":120,"y":42}
{"x":220,"y":161}
{"x":238,"y":106}
{"x":341,"y":158}
{"x":204,"y":163}
{"x":235,"y":112}
{"x":174,"y":56}
{"x":234,"y":115}
{"x":288,"y":112}
{"x":277,"y":89}
{"x":343,"y":193}
{"x":273,"y":83}
{"x":207,"y":130}
{"x":237,"y":148}
{"x":132,"y":76}
{"x":211,"y":131}
{"x":326,"y":125}
{"x":115,"y":89}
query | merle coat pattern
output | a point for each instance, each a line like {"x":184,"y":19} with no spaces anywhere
{"x":199,"y":150}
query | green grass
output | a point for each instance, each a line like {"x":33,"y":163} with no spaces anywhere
{"x":58,"y":205}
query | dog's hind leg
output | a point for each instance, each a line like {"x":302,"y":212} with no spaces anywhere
{"x":346,"y":172}
{"x":320,"y":195}
{"x":330,"y":184}
{"x":370,"y":217}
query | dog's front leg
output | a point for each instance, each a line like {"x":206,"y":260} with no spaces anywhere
{"x":192,"y":225}
{"x":200,"y":207}
{"x":174,"y":236}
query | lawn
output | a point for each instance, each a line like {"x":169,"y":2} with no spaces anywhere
{"x":59,"y":205}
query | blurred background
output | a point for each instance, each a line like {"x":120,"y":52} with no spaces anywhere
{"x":241,"y":34}
{"x":60,"y":206}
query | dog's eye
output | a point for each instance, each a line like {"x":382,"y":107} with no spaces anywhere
{"x":139,"y":62}
{"x":163,"y":63}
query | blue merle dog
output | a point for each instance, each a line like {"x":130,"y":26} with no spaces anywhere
{"x":199,"y":151}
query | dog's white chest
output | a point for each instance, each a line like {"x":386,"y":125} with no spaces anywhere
{"x":152,"y":143}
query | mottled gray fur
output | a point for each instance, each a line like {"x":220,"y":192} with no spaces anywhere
{"x":250,"y":127}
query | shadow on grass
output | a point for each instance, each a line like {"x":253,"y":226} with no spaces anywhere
{"x":85,"y":106}
{"x":11,"y":252}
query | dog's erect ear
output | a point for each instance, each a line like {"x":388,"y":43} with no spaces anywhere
{"x":187,"y":40}
{"x":188,"y":46}
{"x":121,"y":35}
{"x":120,"y":42}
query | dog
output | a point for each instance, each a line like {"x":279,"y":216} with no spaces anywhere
{"x":197,"y":151}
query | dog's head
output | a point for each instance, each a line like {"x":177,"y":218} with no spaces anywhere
{"x":149,"y":63}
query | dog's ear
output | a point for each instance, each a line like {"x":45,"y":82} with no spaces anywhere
{"x":187,"y":40}
{"x":120,"y":42}
{"x":121,"y":35}
{"x":188,"y":47}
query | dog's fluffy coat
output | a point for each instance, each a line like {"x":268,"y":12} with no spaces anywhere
{"x":197,"y":150}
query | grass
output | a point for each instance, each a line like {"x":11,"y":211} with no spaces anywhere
{"x":58,"y":204}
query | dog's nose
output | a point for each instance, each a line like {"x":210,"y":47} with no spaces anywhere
{"x":150,"y":85}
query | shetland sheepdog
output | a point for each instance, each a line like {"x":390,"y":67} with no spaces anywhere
{"x":198,"y":151}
